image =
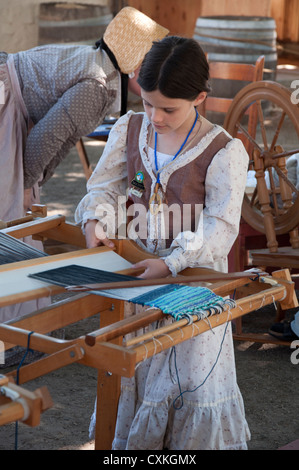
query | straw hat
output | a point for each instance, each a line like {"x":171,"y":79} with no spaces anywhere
{"x":130,"y":36}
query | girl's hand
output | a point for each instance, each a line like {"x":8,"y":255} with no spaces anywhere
{"x":154,"y":268}
{"x":95,"y":235}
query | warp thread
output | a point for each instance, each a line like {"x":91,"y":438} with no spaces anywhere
{"x":228,"y":303}
{"x":13,"y":250}
{"x":180,"y":396}
{"x":191,"y":303}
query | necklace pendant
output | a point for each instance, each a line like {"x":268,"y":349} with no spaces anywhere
{"x":155,"y":202}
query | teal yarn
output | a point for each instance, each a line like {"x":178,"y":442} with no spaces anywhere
{"x":187,"y":302}
{"x":182,"y":301}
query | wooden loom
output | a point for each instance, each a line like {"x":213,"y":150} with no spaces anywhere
{"x":103,"y":349}
{"x":19,"y":404}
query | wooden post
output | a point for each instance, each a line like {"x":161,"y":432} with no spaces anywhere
{"x":84,"y":159}
{"x":108,"y":391}
{"x":265,"y":202}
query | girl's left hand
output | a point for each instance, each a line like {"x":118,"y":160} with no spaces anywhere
{"x":154,"y":268}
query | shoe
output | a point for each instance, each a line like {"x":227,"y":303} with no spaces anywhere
{"x":283,"y":331}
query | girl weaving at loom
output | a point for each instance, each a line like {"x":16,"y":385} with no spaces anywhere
{"x":169,"y":156}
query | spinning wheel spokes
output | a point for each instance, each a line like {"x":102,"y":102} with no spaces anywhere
{"x":285,"y":154}
{"x":277,"y":132}
{"x":246,"y":134}
{"x":288,"y":182}
{"x":262,"y":123}
{"x":253,"y":197}
{"x":267,"y":122}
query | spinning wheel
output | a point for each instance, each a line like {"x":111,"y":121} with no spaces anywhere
{"x":272,"y":206}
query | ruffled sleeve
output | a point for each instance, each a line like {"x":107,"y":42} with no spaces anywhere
{"x":106,"y":188}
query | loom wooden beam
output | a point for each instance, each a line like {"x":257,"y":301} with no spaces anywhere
{"x":38,"y":210}
{"x":283,"y":276}
{"x":106,"y":356}
{"x":123,"y":327}
{"x":17,"y":403}
{"x":44,"y":366}
{"x":35,"y":226}
{"x":54,"y":227}
{"x":65,"y":233}
{"x":110,"y":357}
{"x":129,"y":250}
{"x":11,"y":412}
{"x":63,"y":313}
{"x":203,"y":277}
{"x":32,"y":295}
{"x":108,"y":392}
{"x":38,"y":342}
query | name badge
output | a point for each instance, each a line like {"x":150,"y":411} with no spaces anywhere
{"x":137,"y":188}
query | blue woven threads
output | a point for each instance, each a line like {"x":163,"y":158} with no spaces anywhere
{"x":151,"y":296}
{"x":181,"y":301}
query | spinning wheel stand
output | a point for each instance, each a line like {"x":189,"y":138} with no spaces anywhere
{"x":272,"y":207}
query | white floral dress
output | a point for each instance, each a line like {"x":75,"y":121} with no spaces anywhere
{"x":185,"y":398}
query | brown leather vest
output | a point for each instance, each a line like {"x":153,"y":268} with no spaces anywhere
{"x":186,"y":185}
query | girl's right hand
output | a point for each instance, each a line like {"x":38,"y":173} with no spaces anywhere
{"x":95,"y":235}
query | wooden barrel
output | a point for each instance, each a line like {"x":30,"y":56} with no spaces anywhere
{"x":240,"y":40}
{"x":72,"y":23}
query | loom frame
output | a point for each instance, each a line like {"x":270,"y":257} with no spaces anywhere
{"x":18,"y":403}
{"x":103,"y":349}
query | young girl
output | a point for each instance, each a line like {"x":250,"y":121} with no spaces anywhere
{"x":164,"y":159}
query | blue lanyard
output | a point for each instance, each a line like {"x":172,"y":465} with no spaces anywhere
{"x":178,"y":152}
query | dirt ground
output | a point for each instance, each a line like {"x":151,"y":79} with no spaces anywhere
{"x":266,"y":375}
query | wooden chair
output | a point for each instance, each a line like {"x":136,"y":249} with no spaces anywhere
{"x":101,"y":133}
{"x":234,"y":72}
